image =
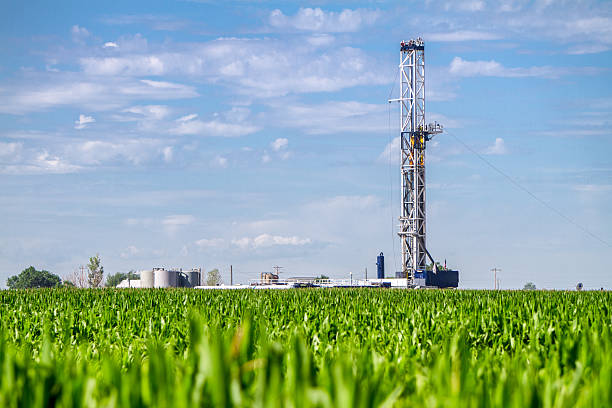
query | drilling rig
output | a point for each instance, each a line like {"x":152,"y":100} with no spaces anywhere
{"x":414,"y":135}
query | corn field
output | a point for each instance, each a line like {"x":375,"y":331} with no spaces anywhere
{"x":305,"y":348}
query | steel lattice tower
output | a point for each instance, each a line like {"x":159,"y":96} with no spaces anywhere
{"x":414,"y":135}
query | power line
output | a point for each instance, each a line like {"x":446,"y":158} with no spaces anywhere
{"x":532,"y":195}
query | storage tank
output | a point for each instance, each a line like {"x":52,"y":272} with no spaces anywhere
{"x":164,"y":278}
{"x":193,"y":278}
{"x":146,"y":279}
{"x":380,"y":266}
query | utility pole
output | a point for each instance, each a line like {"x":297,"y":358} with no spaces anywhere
{"x":231,"y":276}
{"x":495,"y":281}
{"x":277,"y":269}
{"x":366,"y":273}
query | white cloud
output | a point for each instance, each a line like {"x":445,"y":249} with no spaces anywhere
{"x":206,"y":243}
{"x":259,"y":67}
{"x":266,"y":158}
{"x":187,"y":118}
{"x":462,"y":35}
{"x":498,"y":148}
{"x":279,"y":144}
{"x":309,"y":19}
{"x":173,"y":223}
{"x":10,"y":152}
{"x":321,"y":40}
{"x":134,"y":151}
{"x":268,"y":240}
{"x":40,"y":163}
{"x":190,"y":125}
{"x":461,"y":67}
{"x":391,"y":153}
{"x":219,"y":162}
{"x":167,"y":153}
{"x":156,"y":112}
{"x":110,"y":44}
{"x":331,"y":117}
{"x":79,"y":34}
{"x":130,"y":252}
{"x":241,"y":242}
{"x":54,"y":90}
{"x":83,"y":121}
{"x":470,"y":5}
{"x":178,"y":220}
{"x":285,"y":155}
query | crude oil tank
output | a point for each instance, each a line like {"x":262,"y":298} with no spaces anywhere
{"x":165,"y":278}
{"x":146,"y":279}
{"x":193,"y":278}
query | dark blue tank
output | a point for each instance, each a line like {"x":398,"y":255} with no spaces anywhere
{"x":380,"y":266}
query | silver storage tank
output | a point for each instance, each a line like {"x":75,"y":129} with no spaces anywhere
{"x":193,"y":278}
{"x":146,"y":279}
{"x":164,"y":278}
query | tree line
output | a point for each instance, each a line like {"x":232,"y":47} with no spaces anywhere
{"x":31,"y":278}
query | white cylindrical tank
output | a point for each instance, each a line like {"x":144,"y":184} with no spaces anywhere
{"x":146,"y":279}
{"x":164,"y":278}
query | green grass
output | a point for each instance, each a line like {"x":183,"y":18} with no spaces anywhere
{"x":302,"y":348}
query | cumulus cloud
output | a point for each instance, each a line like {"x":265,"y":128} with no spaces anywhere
{"x":279,"y":144}
{"x":110,"y":44}
{"x":309,"y":19}
{"x":263,"y":67}
{"x":83,"y":121}
{"x":130,"y":252}
{"x":208,"y":243}
{"x":498,"y":147}
{"x":40,"y":163}
{"x":79,"y":34}
{"x":268,"y":240}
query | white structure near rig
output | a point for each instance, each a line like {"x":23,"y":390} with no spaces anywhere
{"x":164,"y":278}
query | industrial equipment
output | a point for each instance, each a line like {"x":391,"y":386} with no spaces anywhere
{"x":380,"y":266}
{"x":414,"y":135}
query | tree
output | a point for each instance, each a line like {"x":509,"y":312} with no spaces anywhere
{"x":115,"y":279}
{"x":529,"y":286}
{"x":213,"y":278}
{"x":96,"y":272}
{"x":77,"y":277}
{"x":31,"y":278}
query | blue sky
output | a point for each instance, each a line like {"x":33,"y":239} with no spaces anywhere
{"x":204,"y":134}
